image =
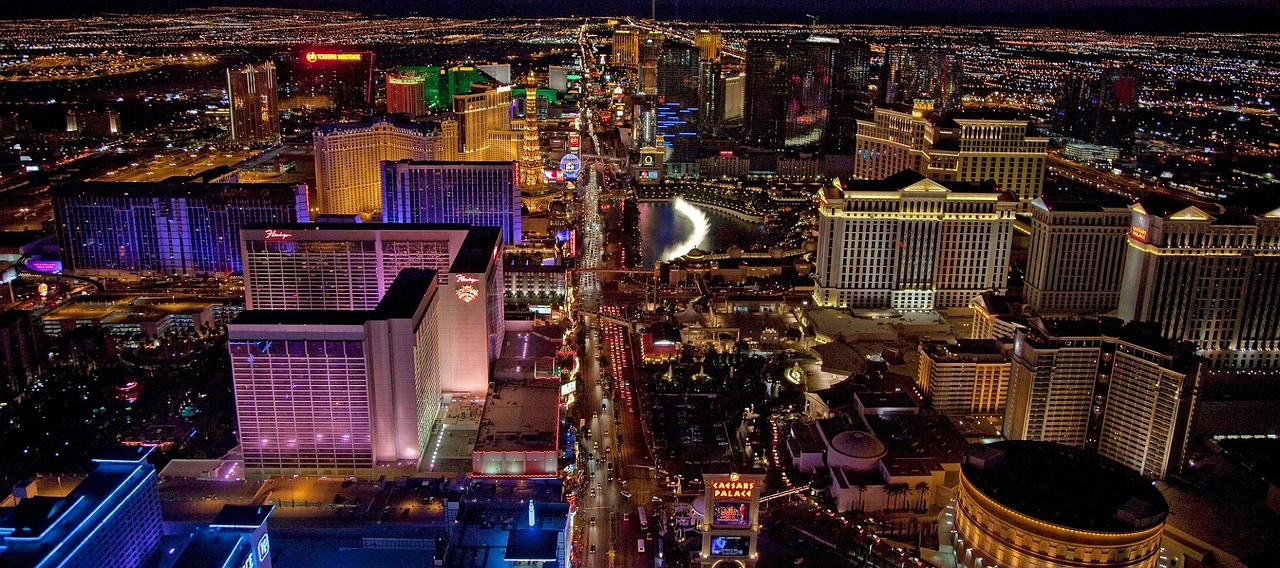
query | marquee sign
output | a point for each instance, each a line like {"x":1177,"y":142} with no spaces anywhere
{"x":467,"y":293}
{"x":275,"y":235}
{"x":732,"y":489}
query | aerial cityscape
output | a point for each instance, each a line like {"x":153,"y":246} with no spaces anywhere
{"x":693,"y":286}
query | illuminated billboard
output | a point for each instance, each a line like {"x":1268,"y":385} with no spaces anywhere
{"x":731,"y":514}
{"x":730,"y":545}
{"x":570,"y":164}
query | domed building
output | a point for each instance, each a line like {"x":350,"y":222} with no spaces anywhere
{"x":856,"y":450}
{"x":1042,"y":505}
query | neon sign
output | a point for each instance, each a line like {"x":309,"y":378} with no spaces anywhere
{"x":264,"y":548}
{"x":1138,"y":233}
{"x":278,"y":235}
{"x":465,"y":279}
{"x":732,"y":489}
{"x":313,"y":57}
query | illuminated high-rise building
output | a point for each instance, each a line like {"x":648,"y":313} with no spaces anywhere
{"x":342,"y":269}
{"x":850,"y":100}
{"x":406,"y":94}
{"x":111,"y":519}
{"x":477,"y":193}
{"x":1098,"y":107}
{"x":255,"y":111}
{"x":1208,"y":276}
{"x":708,"y":43}
{"x":651,"y":45}
{"x":329,"y":76}
{"x":790,"y":84}
{"x":970,"y":376}
{"x":910,"y":73}
{"x":1118,"y":389}
{"x":953,"y":147}
{"x":1077,"y":252}
{"x":910,"y":243}
{"x":363,"y":386}
{"x":128,"y":230}
{"x":626,"y":48}
{"x":530,"y":148}
{"x":485,"y":109}
{"x":348,"y":154}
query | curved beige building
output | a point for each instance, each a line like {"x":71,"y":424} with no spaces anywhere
{"x":1043,"y":505}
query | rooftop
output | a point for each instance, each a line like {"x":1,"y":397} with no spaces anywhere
{"x":520,"y":416}
{"x":1064,"y":486}
{"x":965,"y":351}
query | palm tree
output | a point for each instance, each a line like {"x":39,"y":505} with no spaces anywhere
{"x":889,"y":490}
{"x":861,"y":488}
{"x":923,"y":489}
{"x":901,"y":489}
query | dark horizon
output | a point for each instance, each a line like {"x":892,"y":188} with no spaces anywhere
{"x":1162,"y":16}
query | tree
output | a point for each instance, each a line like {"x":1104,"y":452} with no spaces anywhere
{"x":888,"y":490}
{"x":923,"y":489}
{"x":861,"y":488}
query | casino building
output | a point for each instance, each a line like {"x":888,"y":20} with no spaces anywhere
{"x":351,"y":267}
{"x":1044,"y":505}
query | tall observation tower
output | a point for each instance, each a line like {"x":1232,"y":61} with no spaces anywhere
{"x":530,"y":148}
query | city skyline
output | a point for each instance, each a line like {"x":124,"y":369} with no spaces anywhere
{"x":411,"y":289}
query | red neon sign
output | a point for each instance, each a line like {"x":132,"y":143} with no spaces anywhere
{"x":313,"y":57}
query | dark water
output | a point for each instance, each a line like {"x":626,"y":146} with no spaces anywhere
{"x":663,"y":228}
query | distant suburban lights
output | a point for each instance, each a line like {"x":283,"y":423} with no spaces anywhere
{"x":313,"y":57}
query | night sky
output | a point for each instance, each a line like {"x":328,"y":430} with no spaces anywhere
{"x":1162,"y":15}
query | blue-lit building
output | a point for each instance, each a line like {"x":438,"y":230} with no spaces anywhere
{"x":128,"y":230}
{"x":237,"y":538}
{"x":110,"y":520}
{"x":481,"y":194}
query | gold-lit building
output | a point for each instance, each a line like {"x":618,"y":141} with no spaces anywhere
{"x":1044,"y":505}
{"x":255,"y":111}
{"x":626,"y":48}
{"x":480,"y":112}
{"x":531,"y":146}
{"x":956,"y":147}
{"x":910,"y":243}
{"x":708,"y":42}
{"x":348,"y":177}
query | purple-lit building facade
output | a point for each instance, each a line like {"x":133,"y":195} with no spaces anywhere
{"x":127,"y":230}
{"x":478,"y":193}
{"x":337,"y":392}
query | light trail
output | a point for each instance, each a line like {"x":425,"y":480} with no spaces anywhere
{"x":701,"y":228}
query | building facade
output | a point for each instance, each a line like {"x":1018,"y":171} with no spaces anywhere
{"x":974,"y":147}
{"x":967,"y":377}
{"x":339,"y":392}
{"x":487,"y":108}
{"x":790,"y":84}
{"x":1077,"y":253}
{"x":255,"y":110}
{"x":351,"y":267}
{"x":128,"y":230}
{"x":1206,"y":276}
{"x":476,"y":193}
{"x":406,"y":94}
{"x":111,"y":519}
{"x":1120,"y":390}
{"x":911,"y":243}
{"x":348,"y":154}
{"x":912,"y":72}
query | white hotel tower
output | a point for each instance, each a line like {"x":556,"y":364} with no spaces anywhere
{"x":911,"y":243}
